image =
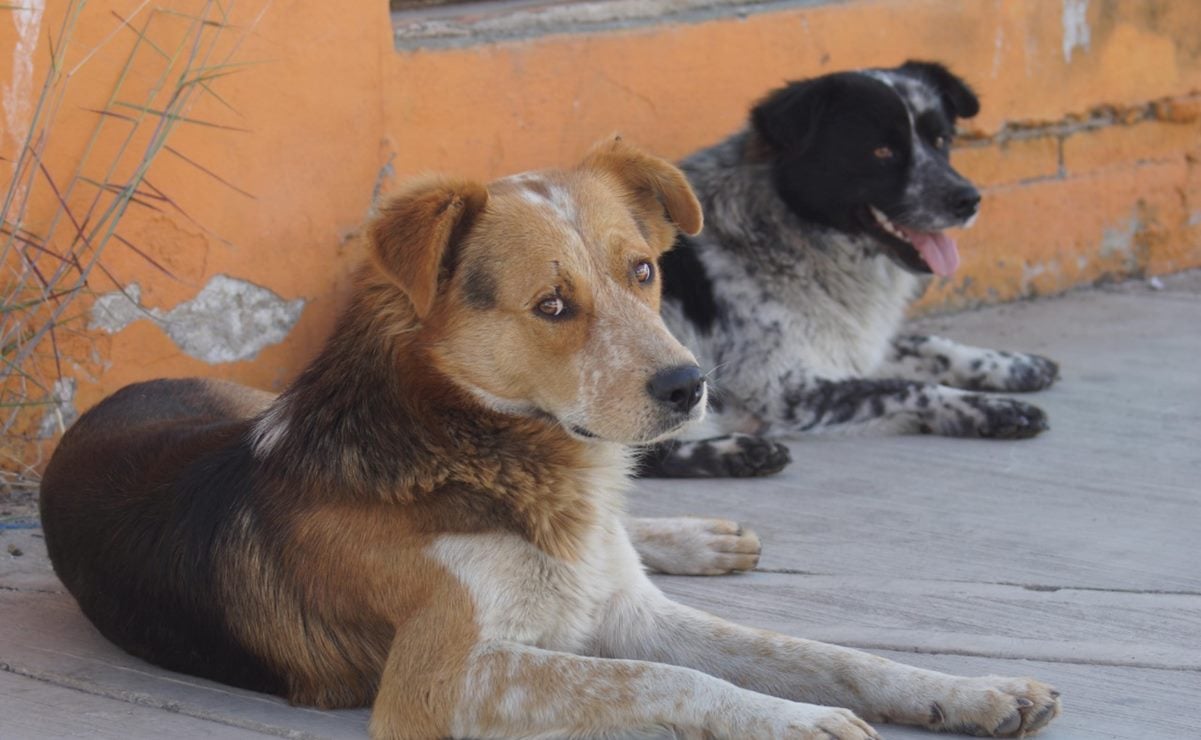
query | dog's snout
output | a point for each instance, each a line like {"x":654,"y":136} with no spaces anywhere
{"x":679,"y":388}
{"x":965,"y":201}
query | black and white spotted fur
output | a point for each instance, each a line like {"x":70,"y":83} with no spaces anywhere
{"x":821,"y":219}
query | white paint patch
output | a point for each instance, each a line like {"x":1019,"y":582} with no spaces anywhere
{"x":114,"y":311}
{"x":1118,"y":241}
{"x":18,"y":94}
{"x":1076,"y":33}
{"x":62,"y":413}
{"x":229,"y":320}
{"x":1031,"y":272}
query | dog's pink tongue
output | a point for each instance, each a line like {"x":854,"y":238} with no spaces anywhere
{"x":937,"y":249}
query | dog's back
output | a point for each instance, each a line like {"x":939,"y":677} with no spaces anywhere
{"x":284,"y":544}
{"x":429,"y":518}
{"x":149,"y":587}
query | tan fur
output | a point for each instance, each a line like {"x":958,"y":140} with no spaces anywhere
{"x":430,"y":519}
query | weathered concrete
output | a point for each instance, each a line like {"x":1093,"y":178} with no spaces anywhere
{"x":1090,"y":110}
{"x":227,"y":321}
{"x":1072,"y":557}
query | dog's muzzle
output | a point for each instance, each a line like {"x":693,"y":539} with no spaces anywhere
{"x":678,"y":389}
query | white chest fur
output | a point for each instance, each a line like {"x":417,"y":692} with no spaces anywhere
{"x":522,"y":594}
{"x":839,"y":331}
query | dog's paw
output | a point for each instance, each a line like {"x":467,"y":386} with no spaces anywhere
{"x":1030,"y":373}
{"x":810,"y":722}
{"x":730,"y":456}
{"x":687,"y":546}
{"x":748,"y":456}
{"x":992,"y":706}
{"x":1001,"y":418}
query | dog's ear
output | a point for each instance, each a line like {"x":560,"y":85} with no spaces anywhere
{"x":787,"y":119}
{"x":959,"y":99}
{"x":656,"y":184}
{"x":412,"y":238}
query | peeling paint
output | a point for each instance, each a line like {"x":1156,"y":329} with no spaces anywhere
{"x":1031,"y":272}
{"x":1120,"y":247}
{"x":114,"y":311}
{"x":62,"y":413}
{"x":1076,"y":33}
{"x":386,"y":173}
{"x":229,"y":320}
{"x":1118,"y":241}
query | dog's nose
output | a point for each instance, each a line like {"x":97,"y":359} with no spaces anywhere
{"x":964,"y":202}
{"x":678,"y":388}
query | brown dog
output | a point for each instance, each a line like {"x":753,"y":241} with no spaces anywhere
{"x":429,"y":519}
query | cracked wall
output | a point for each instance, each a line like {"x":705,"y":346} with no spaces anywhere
{"x":1086,"y":150}
{"x":1088,"y":118}
{"x":228,"y":321}
{"x":1107,"y":193}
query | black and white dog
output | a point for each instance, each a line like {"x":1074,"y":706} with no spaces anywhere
{"x":821,"y":218}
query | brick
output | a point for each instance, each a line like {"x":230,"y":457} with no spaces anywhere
{"x":1048,"y":236}
{"x":1178,"y":110}
{"x":1012,"y":161}
{"x":1118,"y":145}
{"x":1177,"y":248}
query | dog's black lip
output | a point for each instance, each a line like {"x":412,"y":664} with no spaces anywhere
{"x":574,"y":429}
{"x":901,"y":251}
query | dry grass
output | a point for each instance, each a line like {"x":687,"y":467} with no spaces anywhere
{"x":57,"y":223}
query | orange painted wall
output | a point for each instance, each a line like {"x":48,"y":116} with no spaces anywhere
{"x":1087,"y":162}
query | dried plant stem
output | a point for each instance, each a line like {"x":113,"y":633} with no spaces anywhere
{"x":48,"y":266}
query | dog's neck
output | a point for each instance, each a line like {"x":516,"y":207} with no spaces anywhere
{"x":371,"y":420}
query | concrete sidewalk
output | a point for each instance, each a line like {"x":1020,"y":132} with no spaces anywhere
{"x":1074,"y":557}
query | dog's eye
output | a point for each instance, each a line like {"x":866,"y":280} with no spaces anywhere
{"x":940,"y":142}
{"x":883,"y":152}
{"x":644,"y":272}
{"x":554,"y":306}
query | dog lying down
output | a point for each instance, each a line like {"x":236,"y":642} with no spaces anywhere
{"x":429,"y":520}
{"x":821,"y":217}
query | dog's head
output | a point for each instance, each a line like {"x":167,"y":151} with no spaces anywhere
{"x":868,"y":153}
{"x":539,"y":293}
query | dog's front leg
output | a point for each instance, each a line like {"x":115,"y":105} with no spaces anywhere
{"x":937,"y":360}
{"x":510,"y":690}
{"x":645,"y":625}
{"x":896,"y":405}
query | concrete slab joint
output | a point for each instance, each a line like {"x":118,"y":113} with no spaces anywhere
{"x":229,"y":320}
